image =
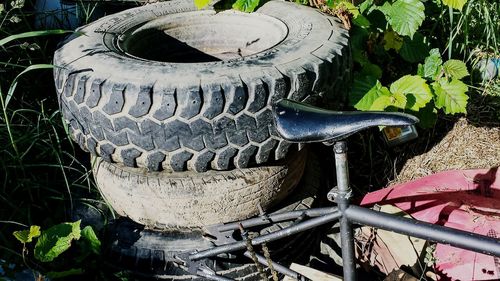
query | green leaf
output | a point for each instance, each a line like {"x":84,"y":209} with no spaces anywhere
{"x":359,"y":57}
{"x":450,"y":96}
{"x":27,"y":235}
{"x":381,"y":103}
{"x":392,"y":40}
{"x":414,"y":49}
{"x":358,"y":38}
{"x":427,"y":115}
{"x":367,"y":4}
{"x":370,"y":69}
{"x":55,"y":240}
{"x":33,"y":34}
{"x":347,"y":5}
{"x":377,"y":18}
{"x":386,"y":9}
{"x":455,"y":69}
{"x":432,"y":65}
{"x":89,"y":235}
{"x":397,"y":100}
{"x":365,"y":91}
{"x":361,"y":21}
{"x":456,"y":4}
{"x":416,"y":90}
{"x":247,"y":6}
{"x":406,"y":16}
{"x":200,"y":4}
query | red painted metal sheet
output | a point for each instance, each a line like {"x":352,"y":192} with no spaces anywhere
{"x":467,"y":200}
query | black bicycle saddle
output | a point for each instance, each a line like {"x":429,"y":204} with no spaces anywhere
{"x":300,"y":122}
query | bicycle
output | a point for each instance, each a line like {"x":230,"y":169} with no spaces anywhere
{"x":298,"y":122}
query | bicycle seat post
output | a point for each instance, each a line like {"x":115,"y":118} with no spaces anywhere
{"x":302,"y":123}
{"x":341,"y":194}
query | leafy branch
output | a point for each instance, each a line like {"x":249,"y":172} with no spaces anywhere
{"x":436,"y":84}
{"x":56,"y":240}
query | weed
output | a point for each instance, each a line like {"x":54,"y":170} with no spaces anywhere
{"x":43,"y":174}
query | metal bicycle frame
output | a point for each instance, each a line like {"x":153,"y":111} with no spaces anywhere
{"x":347,"y":215}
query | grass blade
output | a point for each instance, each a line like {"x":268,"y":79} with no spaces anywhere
{"x":13,"y":85}
{"x":33,"y":34}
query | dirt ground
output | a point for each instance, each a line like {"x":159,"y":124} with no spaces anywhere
{"x":468,"y":142}
{"x":465,"y":146}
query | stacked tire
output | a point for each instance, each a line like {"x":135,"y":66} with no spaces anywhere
{"x":175,"y":106}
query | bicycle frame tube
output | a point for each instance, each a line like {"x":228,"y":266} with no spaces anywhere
{"x":240,"y":245}
{"x":348,"y":214}
{"x":437,"y":233}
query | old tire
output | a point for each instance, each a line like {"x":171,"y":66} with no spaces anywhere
{"x":148,"y":253}
{"x":187,"y":199}
{"x":200,"y":105}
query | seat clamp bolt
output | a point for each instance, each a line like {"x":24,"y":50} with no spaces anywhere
{"x":340,"y":147}
{"x":334,"y":195}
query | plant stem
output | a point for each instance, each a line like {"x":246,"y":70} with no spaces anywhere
{"x":450,"y":40}
{"x":7,"y":124}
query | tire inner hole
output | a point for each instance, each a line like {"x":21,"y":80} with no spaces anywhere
{"x":203,"y":37}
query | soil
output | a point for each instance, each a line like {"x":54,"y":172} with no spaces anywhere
{"x":465,"y":146}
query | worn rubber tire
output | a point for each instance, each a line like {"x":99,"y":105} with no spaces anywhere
{"x":148,"y":253}
{"x":202,"y":115}
{"x":188,"y":199}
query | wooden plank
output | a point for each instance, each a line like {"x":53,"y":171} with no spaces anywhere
{"x":313,"y":274}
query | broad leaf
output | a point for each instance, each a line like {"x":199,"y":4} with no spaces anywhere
{"x":406,"y":16}
{"x":456,"y":4}
{"x":361,"y":21}
{"x":427,"y":116}
{"x":432,"y":65}
{"x":89,"y":235}
{"x":370,"y":69}
{"x":380,"y":103}
{"x":386,"y":9}
{"x":450,"y":96}
{"x":392,"y":40}
{"x":27,"y":235}
{"x":455,"y":69}
{"x":397,"y":100}
{"x":55,"y":240}
{"x":367,"y":4}
{"x":247,"y":6}
{"x":365,"y":91}
{"x":358,"y":38}
{"x":200,"y":4}
{"x":359,"y":57}
{"x":416,"y":90}
{"x":414,"y":49}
